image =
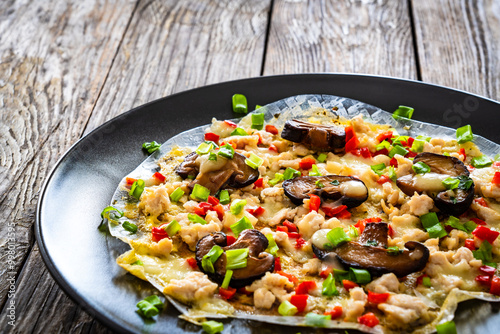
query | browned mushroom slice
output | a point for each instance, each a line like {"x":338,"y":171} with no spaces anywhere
{"x":375,"y":233}
{"x":346,"y":189}
{"x":215,"y":175}
{"x":258,"y":263}
{"x":315,"y":136}
{"x":453,"y":202}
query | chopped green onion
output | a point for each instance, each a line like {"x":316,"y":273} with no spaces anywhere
{"x":397,"y":150}
{"x":497,"y":157}
{"x":257,"y":106}
{"x":111,"y":213}
{"x":426,"y":281}
{"x":212,"y":156}
{"x":322,"y":157}
{"x":420,"y":168}
{"x":329,"y":289}
{"x":394,"y":250}
{"x":319,"y":184}
{"x":446,"y":328}
{"x":155,"y":301}
{"x":403,"y":111}
{"x":172,"y":228}
{"x":132,"y":228}
{"x":314,"y":171}
{"x":150,"y":306}
{"x":224,"y":197}
{"x":335,"y":182}
{"x":205,"y":148}
{"x":378,"y":168}
{"x":421,"y":137}
{"x":353,"y":232}
{"x":341,"y":275}
{"x":481,"y":162}
{"x":384,"y":144}
{"x":446,"y":154}
{"x":176,"y":195}
{"x":337,"y":236}
{"x":317,"y":320}
{"x":278,"y":177}
{"x":138,"y":263}
{"x":451,"y":183}
{"x":465,"y":182}
{"x":196,"y":219}
{"x":287,"y":309}
{"x":272,"y":247}
{"x":399,"y":139}
{"x":455,"y":223}
{"x":254,"y":161}
{"x":137,"y":189}
{"x":431,"y":223}
{"x":290,"y":173}
{"x":212,"y":327}
{"x":418,"y":145}
{"x":226,"y":151}
{"x":464,"y":134}
{"x":257,"y":121}
{"x":470,"y":226}
{"x":200,"y":193}
{"x":483,"y":253}
{"x":239,"y":132}
{"x":391,"y":173}
{"x":227,"y":279}
{"x":237,"y":206}
{"x":241,"y":225}
{"x":236,"y":258}
{"x":361,"y":276}
{"x":151,"y":147}
{"x":240,"y":105}
{"x":207,"y":262}
{"x":191,"y":177}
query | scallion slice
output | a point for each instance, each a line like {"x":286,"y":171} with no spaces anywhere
{"x":137,"y":189}
{"x":111,"y":213}
{"x":399,"y":139}
{"x":337,"y":236}
{"x":317,"y":320}
{"x":290,"y":173}
{"x":420,"y":168}
{"x":397,"y":150}
{"x":132,"y":228}
{"x":470,"y":226}
{"x":451,"y":183}
{"x":212,"y":327}
{"x":481,"y":162}
{"x":151,"y":147}
{"x":196,"y":219}
{"x":391,"y":173}
{"x":418,"y":145}
{"x":205,"y":148}
{"x":257,"y":121}
{"x":455,"y":223}
{"x":431,"y":223}
{"x":421,"y":137}
{"x":353,"y":232}
{"x":224,"y":197}
{"x":341,"y":275}
{"x":172,"y":228}
{"x":200,"y":193}
{"x":329,"y":289}
{"x":254,"y":161}
{"x":138,"y":263}
{"x":314,"y":171}
{"x":272,"y":247}
{"x":239,"y":132}
{"x":226,"y":151}
{"x":446,"y":328}
{"x":155,"y":301}
{"x":212,"y":156}
{"x":426,"y":281}
{"x":237,"y":206}
{"x":207,"y":262}
{"x":319,"y":184}
{"x":240,"y":105}
{"x":241,"y":225}
{"x":483,"y":253}
{"x":146,"y":309}
{"x":383,"y":144}
{"x":287,"y":309}
{"x":394,"y":250}
{"x":322,"y":157}
{"x":257,"y":106}
{"x":227,"y":279}
{"x":176,"y":195}
{"x":378,"y":168}
{"x":464,"y":134}
{"x":361,"y":276}
{"x":403,"y":111}
{"x":236,"y":258}
{"x":278,"y":177}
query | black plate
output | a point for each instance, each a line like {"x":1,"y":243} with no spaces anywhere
{"x":82,"y":260}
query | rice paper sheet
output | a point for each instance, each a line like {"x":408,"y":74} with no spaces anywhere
{"x":301,"y":107}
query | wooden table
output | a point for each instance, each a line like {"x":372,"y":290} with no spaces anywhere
{"x":68,"y":66}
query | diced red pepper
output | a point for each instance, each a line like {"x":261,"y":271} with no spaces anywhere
{"x":271,"y":129}
{"x":159,"y":176}
{"x":227,"y":293}
{"x":130,"y":180}
{"x":365,"y":152}
{"x":369,"y":319}
{"x":336,"y":312}
{"x":383,"y":151}
{"x":290,"y":277}
{"x":487,"y":270}
{"x":273,"y":148}
{"x":383,"y":179}
{"x":293,"y":235}
{"x":158,"y":233}
{"x":478,"y":221}
{"x":362,"y":222}
{"x":314,"y":203}
{"x":377,"y":298}
{"x":259,"y":142}
{"x":259,"y":183}
{"x":483,"y":280}
{"x":231,"y":124}
{"x":199,"y":211}
{"x":282,"y":229}
{"x":462,"y":153}
{"x":213,"y":200}
{"x":291,"y":226}
{"x":299,"y":301}
{"x":495,"y":286}
{"x":230,"y":240}
{"x":299,"y":243}
{"x":496,"y":179}
{"x":481,"y":201}
{"x":306,"y":163}
{"x":329,"y":211}
{"x":410,"y":141}
{"x":384,"y":135}
{"x":244,"y":291}
{"x":348,"y":285}
{"x":304,"y":287}
{"x":393,"y":162}
{"x":210,"y":136}
{"x":485,"y":233}
{"x":324,"y":273}
{"x":410,"y":155}
{"x":277,"y":263}
{"x":420,"y":279}
{"x":220,"y":211}
{"x":192,"y":262}
{"x":469,"y":243}
{"x":256,"y":212}
{"x":448,"y":228}
{"x":390,"y":230}
{"x":352,"y":144}
{"x":470,"y":168}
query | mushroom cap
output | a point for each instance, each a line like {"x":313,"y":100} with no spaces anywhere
{"x":315,"y":136}
{"x":258,"y":262}
{"x":349,"y":191}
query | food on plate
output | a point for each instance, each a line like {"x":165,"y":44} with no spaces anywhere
{"x":313,"y":209}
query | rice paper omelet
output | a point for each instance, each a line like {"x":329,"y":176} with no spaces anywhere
{"x":316,"y":211}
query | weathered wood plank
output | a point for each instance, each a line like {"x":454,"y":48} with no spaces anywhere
{"x":341,"y":36}
{"x":54,"y":58}
{"x":177,"y":45}
{"x":458,"y":43}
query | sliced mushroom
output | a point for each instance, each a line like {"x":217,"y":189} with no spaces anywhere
{"x":376,"y":259}
{"x":453,"y":202}
{"x":215,"y":175}
{"x":315,"y":136}
{"x":258,"y":263}
{"x":346,"y":189}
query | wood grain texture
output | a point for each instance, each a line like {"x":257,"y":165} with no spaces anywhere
{"x":177,"y":45}
{"x":54,"y":58}
{"x":341,"y":36}
{"x":458,"y":43}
